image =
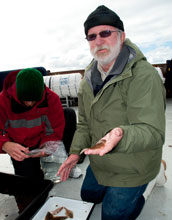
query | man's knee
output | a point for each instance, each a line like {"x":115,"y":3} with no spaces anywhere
{"x":88,"y":195}
{"x":85,"y":194}
{"x":91,"y":194}
{"x":121,"y":207}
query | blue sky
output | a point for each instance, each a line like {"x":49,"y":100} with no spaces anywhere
{"x":50,"y":33}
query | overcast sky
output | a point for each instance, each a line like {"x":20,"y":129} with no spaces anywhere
{"x":50,"y":33}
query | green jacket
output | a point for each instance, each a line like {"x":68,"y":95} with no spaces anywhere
{"x":133,"y":99}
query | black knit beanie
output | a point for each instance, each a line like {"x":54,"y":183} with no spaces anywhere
{"x":29,"y":85}
{"x":103,"y":16}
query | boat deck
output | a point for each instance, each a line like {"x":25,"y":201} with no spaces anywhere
{"x":158,"y":205}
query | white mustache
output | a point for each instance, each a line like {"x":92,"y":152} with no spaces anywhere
{"x":100,"y":48}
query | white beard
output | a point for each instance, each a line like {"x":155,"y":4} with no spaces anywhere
{"x":106,"y":59}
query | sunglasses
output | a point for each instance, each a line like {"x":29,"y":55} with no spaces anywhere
{"x":102,"y":34}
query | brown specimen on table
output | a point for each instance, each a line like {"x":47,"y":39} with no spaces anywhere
{"x":49,"y":216}
{"x":69,"y":213}
{"x":56,"y":211}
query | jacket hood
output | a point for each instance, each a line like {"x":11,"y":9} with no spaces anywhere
{"x":9,"y":86}
{"x":133,"y":47}
{"x":9,"y":83}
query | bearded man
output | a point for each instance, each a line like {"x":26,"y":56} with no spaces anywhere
{"x":122,"y":113}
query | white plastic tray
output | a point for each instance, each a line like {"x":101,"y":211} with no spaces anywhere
{"x":80,"y":209}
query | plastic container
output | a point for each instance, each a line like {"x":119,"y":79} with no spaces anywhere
{"x":51,"y":164}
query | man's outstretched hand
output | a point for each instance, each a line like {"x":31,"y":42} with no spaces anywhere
{"x":106,"y":144}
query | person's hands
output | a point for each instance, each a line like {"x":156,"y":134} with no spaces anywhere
{"x":16,"y":151}
{"x":106,"y":144}
{"x":66,"y":167}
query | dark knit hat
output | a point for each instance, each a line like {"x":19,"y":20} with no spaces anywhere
{"x":103,"y":16}
{"x":29,"y":85}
